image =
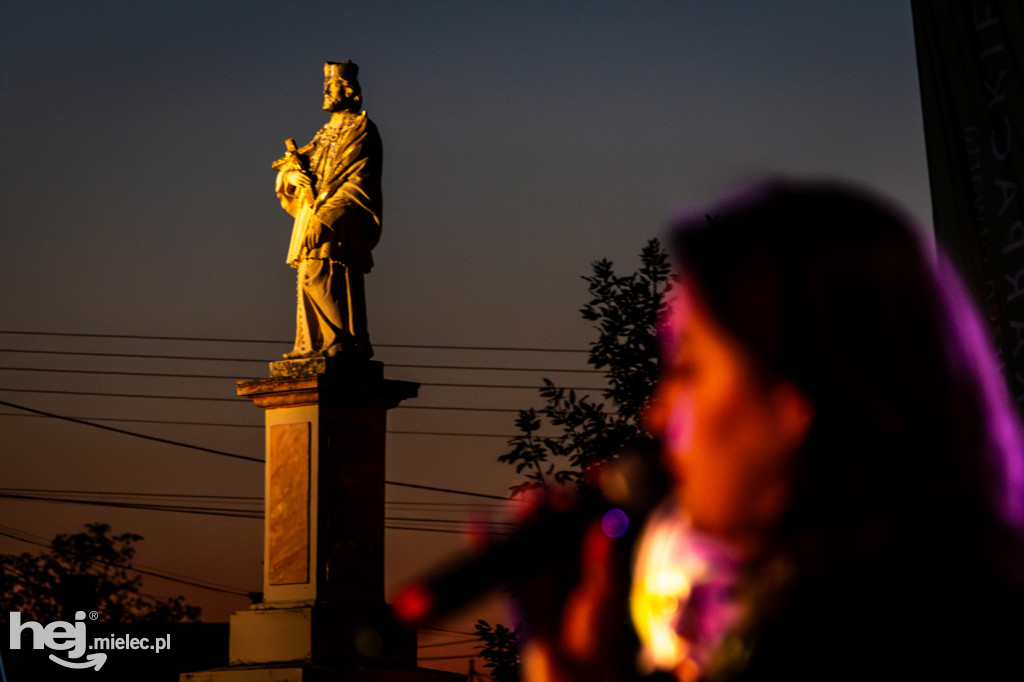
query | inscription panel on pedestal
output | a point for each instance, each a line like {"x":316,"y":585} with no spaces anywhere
{"x":288,"y":504}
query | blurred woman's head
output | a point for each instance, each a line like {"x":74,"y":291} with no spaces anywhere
{"x":729,"y":437}
{"x":823,"y":374}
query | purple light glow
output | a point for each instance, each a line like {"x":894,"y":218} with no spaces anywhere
{"x":615,"y":523}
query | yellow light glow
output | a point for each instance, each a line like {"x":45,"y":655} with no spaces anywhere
{"x":663,"y":574}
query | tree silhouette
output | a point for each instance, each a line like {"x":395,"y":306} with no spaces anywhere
{"x":587,"y":432}
{"x":500,"y":649}
{"x":626,"y":310}
{"x":87,"y":570}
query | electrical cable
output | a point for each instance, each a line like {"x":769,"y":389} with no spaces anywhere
{"x":277,"y":341}
{"x":454,"y":632}
{"x":259,"y":426}
{"x":252,"y":498}
{"x":395,"y":505}
{"x":229,"y":454}
{"x":416,"y":520}
{"x":145,"y":421}
{"x":452,"y":643}
{"x":460,"y":505}
{"x":503,"y":386}
{"x":444,"y":490}
{"x":50,"y":494}
{"x":452,"y":433}
{"x":499,"y":369}
{"x":32,"y":538}
{"x":172,"y":375}
{"x":167,"y":375}
{"x":445,"y":530}
{"x":508,"y":410}
{"x":105,"y":394}
{"x":264,"y":360}
{"x":130,"y":433}
{"x":143,"y":571}
{"x":228,"y":513}
{"x":127,"y":355}
{"x":203,"y":511}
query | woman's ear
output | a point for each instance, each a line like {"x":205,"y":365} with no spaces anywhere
{"x":794,"y":413}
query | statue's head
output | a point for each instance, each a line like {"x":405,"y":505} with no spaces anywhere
{"x":341,"y":87}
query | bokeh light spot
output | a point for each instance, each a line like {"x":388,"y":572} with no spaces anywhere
{"x":615,"y":523}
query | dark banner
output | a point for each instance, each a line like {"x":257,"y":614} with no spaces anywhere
{"x":970,"y":55}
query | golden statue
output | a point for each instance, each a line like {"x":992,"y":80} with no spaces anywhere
{"x":332,"y":188}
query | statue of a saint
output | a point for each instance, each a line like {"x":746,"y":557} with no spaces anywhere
{"x":332,"y":188}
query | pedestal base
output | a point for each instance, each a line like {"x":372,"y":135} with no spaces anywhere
{"x":355,"y":635}
{"x":355,"y":371}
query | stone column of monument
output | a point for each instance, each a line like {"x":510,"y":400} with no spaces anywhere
{"x":323,"y":578}
{"x":323,"y":616}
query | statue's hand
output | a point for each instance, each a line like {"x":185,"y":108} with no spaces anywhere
{"x":314,"y":233}
{"x":300,"y":180}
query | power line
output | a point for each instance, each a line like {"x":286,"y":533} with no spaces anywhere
{"x":452,"y":643}
{"x":456,"y":409}
{"x":264,"y":360}
{"x":130,"y":433}
{"x":445,"y":490}
{"x":444,"y":530}
{"x":417,"y":520}
{"x":140,"y":567}
{"x":147,"y":421}
{"x":499,"y":369}
{"x":472,"y":505}
{"x":122,"y":493}
{"x":128,"y":355}
{"x":99,"y":372}
{"x":202,"y":511}
{"x":483,"y":512}
{"x":454,"y":632}
{"x":259,"y":426}
{"x":451,"y":433}
{"x":173,"y":375}
{"x":439,"y":507}
{"x":506,"y":349}
{"x":106,"y":394}
{"x":226,"y":454}
{"x":224,"y":512}
{"x":211,"y":511}
{"x":194,"y":582}
{"x":121,"y":395}
{"x":254,"y":499}
{"x":503,"y":386}
{"x":140,"y":336}
{"x":279,"y":341}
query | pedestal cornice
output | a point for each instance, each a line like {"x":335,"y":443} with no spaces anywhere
{"x":326,"y":389}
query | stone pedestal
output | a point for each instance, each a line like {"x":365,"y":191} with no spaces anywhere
{"x":323,"y":615}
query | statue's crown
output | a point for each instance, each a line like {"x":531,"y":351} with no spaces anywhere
{"x":347,"y":70}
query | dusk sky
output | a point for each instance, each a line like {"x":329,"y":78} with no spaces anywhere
{"x":522,"y":142}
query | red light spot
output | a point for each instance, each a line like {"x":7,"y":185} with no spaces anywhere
{"x":413,"y":603}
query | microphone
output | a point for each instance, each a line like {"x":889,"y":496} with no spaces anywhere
{"x":626,"y":489}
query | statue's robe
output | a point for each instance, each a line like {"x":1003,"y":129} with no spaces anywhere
{"x":346,"y":164}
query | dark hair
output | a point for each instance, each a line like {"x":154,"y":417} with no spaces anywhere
{"x":830,"y":289}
